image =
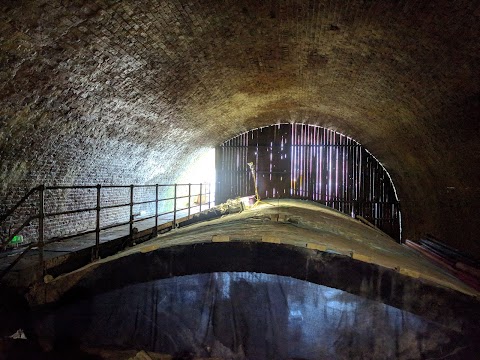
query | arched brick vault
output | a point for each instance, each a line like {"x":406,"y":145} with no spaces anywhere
{"x":105,"y":91}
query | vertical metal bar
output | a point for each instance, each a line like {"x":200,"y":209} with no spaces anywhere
{"x":357,"y":176}
{"x":321,"y":163}
{"x":318,"y":166}
{"x":155,"y":231}
{"x":131,"y":212}
{"x":336,"y":170}
{"x":174,"y":224}
{"x":328,"y":167}
{"x":241,"y":169}
{"x":97,"y":225}
{"x":189,"y":195}
{"x":219,"y":173}
{"x":304,"y":163}
{"x":247,"y":155}
{"x":293,"y":161}
{"x":209,"y":192}
{"x":231,"y":169}
{"x":227,"y":172}
{"x":237,"y":151}
{"x":41,"y":226}
{"x":200,"y":197}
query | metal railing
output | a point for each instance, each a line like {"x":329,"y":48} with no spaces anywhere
{"x":165,"y":196}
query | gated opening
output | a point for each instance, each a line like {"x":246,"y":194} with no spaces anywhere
{"x":312,"y":163}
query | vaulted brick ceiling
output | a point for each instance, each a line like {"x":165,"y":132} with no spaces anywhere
{"x":130,"y":91}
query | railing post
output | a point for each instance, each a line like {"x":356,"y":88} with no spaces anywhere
{"x":97,"y":226}
{"x":155,"y":231}
{"x":189,"y":195}
{"x":130,"y":232}
{"x":200,"y":197}
{"x":209,"y":192}
{"x":41,"y":226}
{"x":174,"y":224}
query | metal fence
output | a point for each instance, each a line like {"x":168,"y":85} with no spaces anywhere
{"x":161,"y":203}
{"x":313,"y":163}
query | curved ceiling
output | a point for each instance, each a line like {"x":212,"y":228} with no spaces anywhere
{"x":130,"y":91}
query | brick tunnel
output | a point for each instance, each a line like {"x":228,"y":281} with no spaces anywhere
{"x":134,"y":92}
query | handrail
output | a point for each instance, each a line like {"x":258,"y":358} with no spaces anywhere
{"x":69,"y":187}
{"x":41,"y":214}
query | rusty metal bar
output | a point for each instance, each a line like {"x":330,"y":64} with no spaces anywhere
{"x":144,"y":202}
{"x":189,"y":198}
{"x":114,"y":206}
{"x":144,"y":218}
{"x":174,"y":223}
{"x":47,"y":215}
{"x":97,"y":222}
{"x":130,"y":232}
{"x":155,"y":231}
{"x":70,"y":187}
{"x":165,"y":199}
{"x":209,"y":192}
{"x":41,"y":226}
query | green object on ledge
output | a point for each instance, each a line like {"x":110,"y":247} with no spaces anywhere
{"x":17,"y":239}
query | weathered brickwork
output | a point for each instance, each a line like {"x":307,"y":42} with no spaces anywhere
{"x":121,"y":92}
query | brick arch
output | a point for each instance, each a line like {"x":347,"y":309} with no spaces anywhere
{"x":103,"y":91}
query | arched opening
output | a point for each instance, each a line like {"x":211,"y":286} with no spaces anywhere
{"x":312,"y":163}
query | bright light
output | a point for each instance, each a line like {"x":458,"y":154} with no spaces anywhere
{"x":200,"y":170}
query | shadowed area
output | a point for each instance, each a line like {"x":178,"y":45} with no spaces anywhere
{"x":247,"y":316}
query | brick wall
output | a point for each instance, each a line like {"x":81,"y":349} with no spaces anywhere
{"x":121,"y":92}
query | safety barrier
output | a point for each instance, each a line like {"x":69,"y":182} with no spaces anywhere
{"x":163,"y":198}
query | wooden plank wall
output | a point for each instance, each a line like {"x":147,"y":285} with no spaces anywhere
{"x":312,"y":163}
